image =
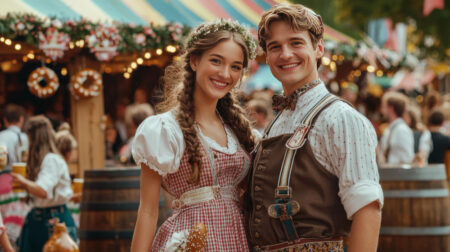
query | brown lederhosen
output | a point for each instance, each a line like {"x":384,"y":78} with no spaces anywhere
{"x":321,"y":215}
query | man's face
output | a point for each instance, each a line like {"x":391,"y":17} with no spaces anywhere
{"x":291,"y":56}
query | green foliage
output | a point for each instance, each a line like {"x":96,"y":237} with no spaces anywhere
{"x":360,"y":12}
{"x":26,"y":28}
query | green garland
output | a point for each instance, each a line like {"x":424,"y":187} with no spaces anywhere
{"x":26,"y":28}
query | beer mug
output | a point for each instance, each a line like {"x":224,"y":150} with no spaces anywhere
{"x":3,"y":157}
{"x":21,"y":169}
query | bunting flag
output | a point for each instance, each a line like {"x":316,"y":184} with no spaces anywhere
{"x":188,"y":12}
{"x":430,"y":5}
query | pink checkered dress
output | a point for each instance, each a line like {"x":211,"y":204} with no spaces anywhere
{"x":222,"y":217}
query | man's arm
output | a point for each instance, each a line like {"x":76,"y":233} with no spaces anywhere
{"x":365,"y":229}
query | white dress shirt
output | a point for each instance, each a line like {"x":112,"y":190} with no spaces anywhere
{"x":10,"y":138}
{"x":399,"y":138}
{"x":54,"y":178}
{"x":344,"y":142}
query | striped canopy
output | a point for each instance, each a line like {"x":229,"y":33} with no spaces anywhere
{"x":189,"y":12}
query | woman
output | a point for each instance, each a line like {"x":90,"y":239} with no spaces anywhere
{"x":48,"y":184}
{"x":198,"y":149}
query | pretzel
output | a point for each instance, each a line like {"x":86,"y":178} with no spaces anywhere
{"x":43,"y":74}
{"x":86,"y":83}
{"x":197,"y":238}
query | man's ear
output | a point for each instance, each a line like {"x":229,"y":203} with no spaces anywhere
{"x":319,"y":49}
{"x":193,"y":61}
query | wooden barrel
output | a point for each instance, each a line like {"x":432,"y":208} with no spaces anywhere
{"x":416,"y":212}
{"x":109,"y":209}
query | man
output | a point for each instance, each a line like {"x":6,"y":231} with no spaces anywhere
{"x":441,"y":142}
{"x":315,"y":174}
{"x":397,"y":142}
{"x":16,"y":141}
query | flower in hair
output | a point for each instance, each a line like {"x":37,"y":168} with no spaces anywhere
{"x":228,"y":25}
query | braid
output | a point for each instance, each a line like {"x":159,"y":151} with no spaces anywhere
{"x":233,"y":115}
{"x":186,"y":119}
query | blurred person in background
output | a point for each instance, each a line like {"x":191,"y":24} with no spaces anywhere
{"x":47,"y":182}
{"x":140,"y":97}
{"x":258,"y":111}
{"x":397,"y":142}
{"x":441,"y":142}
{"x":422,"y":136}
{"x":65,"y":142}
{"x":432,"y":101}
{"x":5,"y":244}
{"x":138,"y":114}
{"x":15,"y":140}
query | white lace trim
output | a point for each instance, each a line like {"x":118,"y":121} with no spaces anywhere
{"x":151,"y":166}
{"x":231,"y":142}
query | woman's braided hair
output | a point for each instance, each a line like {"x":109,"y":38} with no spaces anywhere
{"x":179,"y":86}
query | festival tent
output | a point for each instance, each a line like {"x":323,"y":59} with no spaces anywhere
{"x":188,"y":12}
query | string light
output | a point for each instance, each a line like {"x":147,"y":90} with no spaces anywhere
{"x":326,"y":61}
{"x":63,"y":71}
{"x":171,"y":49}
{"x":129,"y":70}
{"x":341,"y":57}
{"x":147,"y":55}
{"x":134,"y":65}
{"x":334,"y":57}
{"x":2,"y":39}
{"x":333,"y":66}
{"x":357,"y":73}
{"x":18,"y":47}
{"x":8,"y":42}
{"x":126,"y":75}
{"x":379,"y":73}
{"x":30,"y":55}
{"x":159,"y":51}
{"x":140,"y":61}
{"x":370,"y":69}
{"x":71,"y":45}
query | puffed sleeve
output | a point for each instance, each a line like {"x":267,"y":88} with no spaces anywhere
{"x":159,"y":144}
{"x":354,"y":144}
{"x":52,"y":169}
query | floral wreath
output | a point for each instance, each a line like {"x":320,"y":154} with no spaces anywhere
{"x":43,"y":74}
{"x":78,"y":87}
{"x":228,"y":25}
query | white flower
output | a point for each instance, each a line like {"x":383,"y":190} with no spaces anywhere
{"x":177,"y":241}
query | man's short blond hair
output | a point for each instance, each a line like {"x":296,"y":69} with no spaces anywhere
{"x":297,"y":16}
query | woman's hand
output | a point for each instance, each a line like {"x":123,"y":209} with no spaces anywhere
{"x":17,"y":178}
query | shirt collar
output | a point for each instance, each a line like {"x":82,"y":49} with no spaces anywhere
{"x":14,"y":128}
{"x":311,"y":97}
{"x":396,"y":121}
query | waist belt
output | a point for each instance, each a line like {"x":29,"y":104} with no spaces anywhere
{"x":305,"y":245}
{"x":205,"y":194}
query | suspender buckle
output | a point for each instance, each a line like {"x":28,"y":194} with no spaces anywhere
{"x":283,"y":192}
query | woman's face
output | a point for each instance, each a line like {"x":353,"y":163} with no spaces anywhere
{"x":217,"y":70}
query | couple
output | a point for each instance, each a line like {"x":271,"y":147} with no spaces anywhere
{"x":314,"y":178}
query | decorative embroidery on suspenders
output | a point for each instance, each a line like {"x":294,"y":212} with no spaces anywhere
{"x":284,"y":207}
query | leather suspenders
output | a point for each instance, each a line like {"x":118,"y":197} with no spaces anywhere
{"x":284,"y":207}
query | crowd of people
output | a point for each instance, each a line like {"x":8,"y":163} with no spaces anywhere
{"x":222,"y":155}
{"x":26,"y":221}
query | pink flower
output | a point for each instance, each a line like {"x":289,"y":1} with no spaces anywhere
{"x":139,"y":39}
